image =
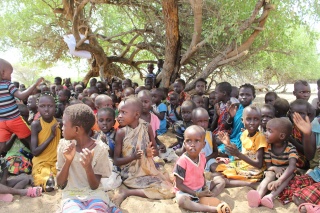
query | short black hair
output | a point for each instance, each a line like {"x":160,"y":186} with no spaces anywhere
{"x":283,"y":124}
{"x":81,"y":115}
{"x":225,"y":87}
{"x":274,"y":94}
{"x":46,"y":95}
{"x":160,"y":91}
{"x":58,"y":79}
{"x":181,"y":81}
{"x":269,"y":107}
{"x":250,"y":86}
{"x":189,"y":103}
{"x":282,"y":107}
{"x":299,"y":82}
{"x":67,"y":93}
{"x":201,"y":80}
{"x":107,"y":110}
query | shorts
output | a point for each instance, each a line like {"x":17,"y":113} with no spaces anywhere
{"x":193,"y":198}
{"x":17,"y":126}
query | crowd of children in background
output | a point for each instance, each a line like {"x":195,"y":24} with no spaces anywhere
{"x":79,"y":136}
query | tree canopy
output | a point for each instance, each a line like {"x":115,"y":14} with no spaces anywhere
{"x":256,"y":41}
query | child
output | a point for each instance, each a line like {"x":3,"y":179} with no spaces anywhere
{"x":148,"y":83}
{"x":45,"y":136}
{"x":190,"y":183}
{"x":302,"y":90}
{"x":126,"y":83}
{"x":82,"y":162}
{"x":63,"y":101}
{"x":280,"y":157}
{"x":102,"y":101}
{"x":173,"y":109}
{"x":178,"y":87}
{"x":270,"y":98}
{"x":200,"y":88}
{"x":180,"y":126}
{"x":267,"y":113}
{"x":138,"y":89}
{"x":128,"y":91}
{"x":134,"y":151}
{"x":159,"y":109}
{"x":198,"y":100}
{"x":250,"y":166}
{"x":212,"y":102}
{"x":101,"y":87}
{"x":10,"y":120}
{"x":32,"y":106}
{"x":281,"y":107}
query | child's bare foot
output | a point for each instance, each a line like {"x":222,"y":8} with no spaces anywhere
{"x":120,"y":195}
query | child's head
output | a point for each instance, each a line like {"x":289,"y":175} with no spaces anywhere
{"x":92,"y":90}
{"x":129,"y":111}
{"x":64,"y":95}
{"x":115,"y":87}
{"x":126,"y":83}
{"x":32,"y":103}
{"x":57,"y":80}
{"x":270,"y":98}
{"x":103,"y":101}
{"x":179,"y":85}
{"x":53,"y":89}
{"x":212,"y":98}
{"x":223,"y":91}
{"x":106,"y":119}
{"x":46,"y":107}
{"x":200,"y":117}
{"x":194,"y":140}
{"x":281,"y":107}
{"x":93,"y":82}
{"x":101,"y":87}
{"x":6,"y":70}
{"x":234,"y":92}
{"x":24,"y":112}
{"x":44,"y":89}
{"x":77,"y":118}
{"x":93,"y":97}
{"x":85,"y":93}
{"x":174,"y":99}
{"x":200,"y":86}
{"x":301,"y":107}
{"x":150,"y":68}
{"x":78,"y":89}
{"x":267,"y":113}
{"x":58,"y":88}
{"x":302,"y":90}
{"x":278,"y":130}
{"x":157,"y":95}
{"x":89,"y":102}
{"x":247,"y":93}
{"x":186,"y":110}
{"x":251,"y":119}
{"x":148,"y":83}
{"x":198,"y":100}
{"x":135,"y":85}
{"x":138,"y":89}
{"x":128,"y":91}
{"x":146,"y":98}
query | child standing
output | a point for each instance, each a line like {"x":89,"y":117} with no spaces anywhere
{"x":159,"y":109}
{"x":45,"y":136}
{"x":190,"y":183}
{"x":280,"y":157}
{"x":82,"y":162}
{"x":134,"y":151}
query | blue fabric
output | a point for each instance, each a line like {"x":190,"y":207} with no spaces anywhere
{"x":315,"y":174}
{"x":163,"y":123}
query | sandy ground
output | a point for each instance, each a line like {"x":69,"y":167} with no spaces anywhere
{"x":235,"y":197}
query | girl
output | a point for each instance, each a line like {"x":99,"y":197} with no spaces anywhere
{"x":45,"y":136}
{"x":250,"y":167}
{"x":82,"y":161}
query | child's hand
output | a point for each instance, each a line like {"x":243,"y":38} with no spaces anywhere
{"x":86,"y":157}
{"x":205,"y":193}
{"x":232,"y":110}
{"x":224,"y":138}
{"x":38,"y":82}
{"x":69,"y":152}
{"x":137,"y":154}
{"x":150,"y":150}
{"x":303,"y":125}
{"x":232,"y":150}
{"x":54,"y":128}
{"x":272,"y":186}
{"x":279,"y":171}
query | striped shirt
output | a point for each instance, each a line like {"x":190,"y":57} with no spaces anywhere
{"x":8,"y":106}
{"x":281,"y":160}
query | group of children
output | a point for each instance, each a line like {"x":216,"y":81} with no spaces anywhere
{"x":81,"y":136}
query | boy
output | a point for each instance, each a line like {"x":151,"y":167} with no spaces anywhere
{"x":281,"y":107}
{"x":10,"y":119}
{"x":173,"y":109}
{"x":302,"y":90}
{"x":267,"y":113}
{"x":178,"y":87}
{"x":270,"y":98}
{"x":200,"y":88}
{"x":190,"y":183}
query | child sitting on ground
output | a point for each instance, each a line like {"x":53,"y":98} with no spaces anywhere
{"x":134,"y":152}
{"x":159,"y":109}
{"x":45,"y":136}
{"x":250,"y":166}
{"x":270,"y":98}
{"x":267,"y":113}
{"x":190,"y":183}
{"x":173,"y":109}
{"x":82,"y":162}
{"x":280,"y":157}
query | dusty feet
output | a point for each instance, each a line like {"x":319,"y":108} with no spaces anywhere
{"x":120,"y":195}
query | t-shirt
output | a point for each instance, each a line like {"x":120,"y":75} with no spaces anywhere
{"x":190,"y":172}
{"x":281,"y":160}
{"x":163,"y":123}
{"x":8,"y":106}
{"x":154,"y":123}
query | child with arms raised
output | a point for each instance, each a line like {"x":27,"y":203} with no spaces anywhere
{"x":280,"y":157}
{"x":45,"y":136}
{"x":134,"y":151}
{"x":82,"y":162}
{"x":190,"y":183}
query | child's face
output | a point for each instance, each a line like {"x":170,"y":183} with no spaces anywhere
{"x":174,"y":99}
{"x":199,"y":101}
{"x":68,"y":130}
{"x":220,"y":95}
{"x":212,"y":99}
{"x":127,"y":114}
{"x":251,"y":121}
{"x":115,"y":87}
{"x":61,"y":96}
{"x":186,"y":113}
{"x":245,"y":96}
{"x":298,"y":108}
{"x":46,"y":108}
{"x":58,"y":89}
{"x":269,"y":99}
{"x":6,"y":74}
{"x":148,"y":83}
{"x":105,"y":121}
{"x":272,"y":134}
{"x":200,"y":87}
{"x":125,"y":84}
{"x":79,"y":90}
{"x":150,"y":68}
{"x":177,"y":87}
{"x":146,"y":103}
{"x":201,"y":119}
{"x":302,"y":92}
{"x":53,"y":89}
{"x":193,"y":142}
{"x":32,"y":103}
{"x":100,"y":87}
{"x":156,"y":97}
{"x":266,"y":115}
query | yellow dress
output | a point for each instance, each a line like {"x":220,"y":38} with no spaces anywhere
{"x":45,"y":163}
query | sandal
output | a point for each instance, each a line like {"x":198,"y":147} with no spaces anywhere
{"x":223,"y":208}
{"x":310,"y":208}
{"x":34,"y":192}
